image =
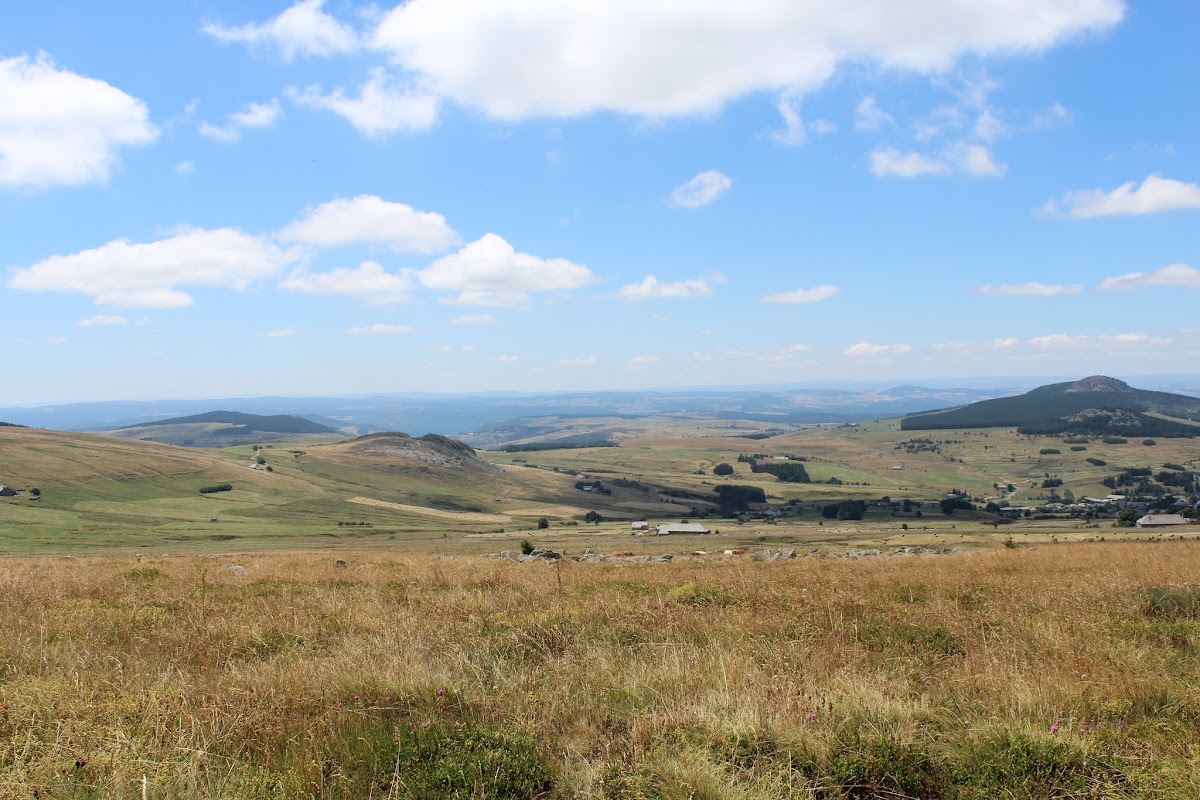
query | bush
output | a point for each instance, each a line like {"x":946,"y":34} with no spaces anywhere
{"x":526,"y":547}
{"x":1149,"y":442}
{"x":543,"y":523}
{"x":1099,"y":462}
{"x":219,"y":487}
{"x":1115,"y":440}
{"x":723,"y":469}
{"x":1049,"y":451}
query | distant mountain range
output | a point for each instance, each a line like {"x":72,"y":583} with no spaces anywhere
{"x":278,"y":423}
{"x":1095,"y":406}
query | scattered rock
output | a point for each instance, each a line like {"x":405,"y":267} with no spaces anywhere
{"x":238,"y":570}
{"x":544,"y":553}
{"x":666,"y":557}
{"x":507,"y":555}
{"x":869,"y":552}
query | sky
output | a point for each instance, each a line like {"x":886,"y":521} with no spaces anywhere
{"x":207,"y":198}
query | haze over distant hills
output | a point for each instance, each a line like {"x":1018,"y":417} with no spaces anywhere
{"x":1097,"y":405}
{"x":221,"y":429}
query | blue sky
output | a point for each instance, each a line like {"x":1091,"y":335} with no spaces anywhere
{"x":211,"y":198}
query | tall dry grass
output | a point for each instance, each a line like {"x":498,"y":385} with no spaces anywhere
{"x":1039,"y":672}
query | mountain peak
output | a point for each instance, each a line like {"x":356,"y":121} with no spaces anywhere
{"x":1099,"y":383}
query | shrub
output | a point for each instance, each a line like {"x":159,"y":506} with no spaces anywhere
{"x":1149,"y":442}
{"x":219,"y":487}
{"x":526,"y":547}
{"x":723,"y":469}
{"x":1115,"y":440}
{"x":1098,"y":462}
{"x":1078,"y":448}
{"x":1049,"y":451}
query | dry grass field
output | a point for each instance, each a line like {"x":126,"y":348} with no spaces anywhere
{"x":1063,"y":670}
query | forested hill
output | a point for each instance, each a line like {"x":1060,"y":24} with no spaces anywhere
{"x":1097,"y":405}
{"x":279,"y":423}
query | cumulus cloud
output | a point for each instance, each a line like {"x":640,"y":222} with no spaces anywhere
{"x":1031,"y":289}
{"x":868,"y":116}
{"x":377,"y":328}
{"x":146,"y":275}
{"x":102,"y":319}
{"x":1156,"y":193}
{"x":678,"y":57}
{"x":956,"y":157}
{"x":473,"y":319}
{"x":1180,"y":275}
{"x":368,"y":282}
{"x":650,"y":287}
{"x":252,"y":115}
{"x":385,"y":104}
{"x":816,"y":294}
{"x":490,"y":272}
{"x":371,"y":220}
{"x":868,"y":349}
{"x":701,"y":190}
{"x":578,"y":362}
{"x":303,"y":29}
{"x":58,"y":128}
{"x":795,"y":130}
{"x":507,"y":359}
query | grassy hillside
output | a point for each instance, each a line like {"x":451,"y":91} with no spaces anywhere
{"x":1060,"y":671}
{"x":278,"y":423}
{"x":1061,"y":407}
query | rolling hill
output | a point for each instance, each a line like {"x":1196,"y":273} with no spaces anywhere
{"x":222,"y":429}
{"x":1094,"y":406}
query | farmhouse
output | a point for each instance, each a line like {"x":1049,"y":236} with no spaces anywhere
{"x":681,"y":527}
{"x":640,"y":525}
{"x":1160,"y":520}
{"x":7,"y":491}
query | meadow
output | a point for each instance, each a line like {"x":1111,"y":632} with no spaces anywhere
{"x":1062,"y":670}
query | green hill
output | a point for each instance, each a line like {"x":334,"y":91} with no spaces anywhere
{"x":278,"y":423}
{"x":1095,"y":406}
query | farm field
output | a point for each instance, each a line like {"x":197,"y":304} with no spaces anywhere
{"x":1036,"y":672}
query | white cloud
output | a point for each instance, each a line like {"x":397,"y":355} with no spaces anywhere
{"x":384,"y":105}
{"x":701,"y":190}
{"x":868,"y":116}
{"x":787,"y":353}
{"x":368,"y":282}
{"x":507,"y":359}
{"x":303,"y":29}
{"x":794,"y":132}
{"x":890,"y":162}
{"x":868,"y":349}
{"x":649,"y":287}
{"x":676,"y":57}
{"x":813,"y":295}
{"x":185,"y":168}
{"x":1180,"y":275}
{"x":578,"y":362}
{"x":102,"y":319}
{"x":1006,"y":342}
{"x":490,"y":272}
{"x":279,"y":333}
{"x":1099,"y":342}
{"x":58,"y":128}
{"x":645,"y":360}
{"x":956,"y":157}
{"x":370,"y":219}
{"x":146,"y":275}
{"x":1154,"y":194}
{"x":473,"y":319}
{"x":252,"y":115}
{"x":377,"y":328}
{"x":1031,"y":289}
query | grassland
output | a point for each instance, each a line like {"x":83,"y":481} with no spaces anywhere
{"x":1053,"y":671}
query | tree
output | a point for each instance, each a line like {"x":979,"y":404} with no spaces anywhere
{"x":543,"y":523}
{"x":35,"y":493}
{"x":593,"y":517}
{"x":1128,"y":517}
{"x":723,"y":469}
